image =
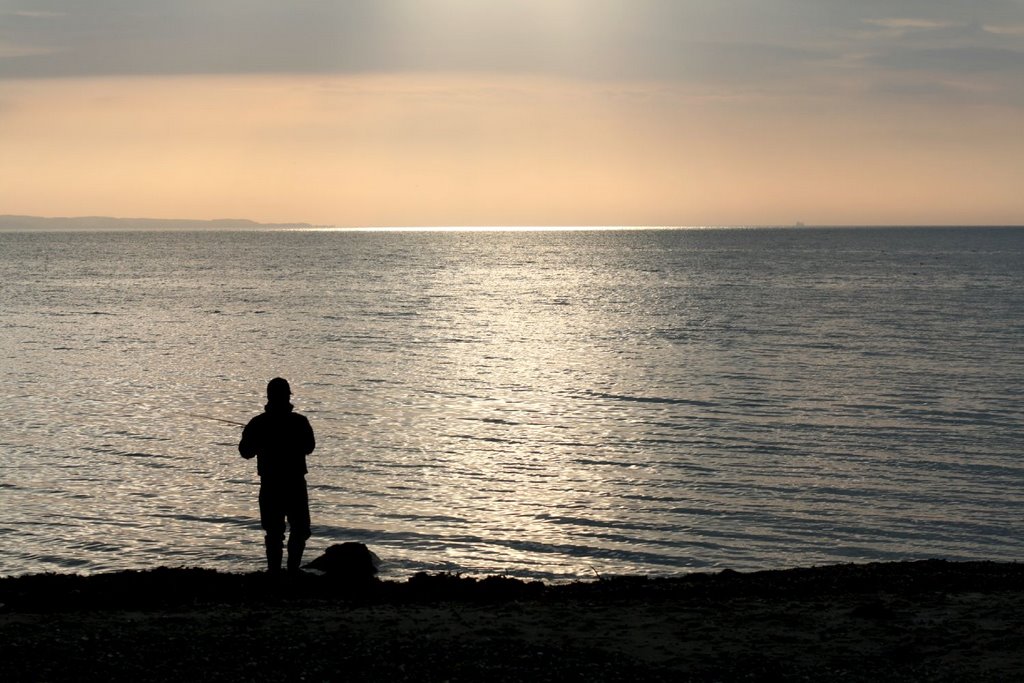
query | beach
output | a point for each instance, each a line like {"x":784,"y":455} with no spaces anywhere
{"x":914,"y":621}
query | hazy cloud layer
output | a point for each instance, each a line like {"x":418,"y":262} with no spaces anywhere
{"x":696,"y":40}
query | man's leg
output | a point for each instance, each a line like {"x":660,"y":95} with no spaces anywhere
{"x":272,"y":520}
{"x":298,"y":520}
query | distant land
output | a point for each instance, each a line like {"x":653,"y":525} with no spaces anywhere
{"x":103,"y":223}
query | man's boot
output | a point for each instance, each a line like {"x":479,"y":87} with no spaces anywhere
{"x":274,"y":554}
{"x":295,"y":548}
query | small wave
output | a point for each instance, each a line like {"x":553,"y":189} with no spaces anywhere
{"x":136,"y":435}
{"x":649,"y":399}
{"x":59,"y":561}
{"x":492,"y":420}
{"x":110,"y":450}
{"x":395,"y":314}
{"x":411,"y":517}
{"x":237,"y":521}
{"x":564,"y":520}
{"x":95,"y":546}
{"x":963,"y":417}
{"x":611,"y":463}
{"x":488,"y":439}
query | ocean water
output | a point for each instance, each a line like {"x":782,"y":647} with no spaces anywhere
{"x":541,"y":404}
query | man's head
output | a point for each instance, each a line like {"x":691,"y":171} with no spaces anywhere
{"x":278,"y":390}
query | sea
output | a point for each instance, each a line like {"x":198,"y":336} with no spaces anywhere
{"x":541,"y":404}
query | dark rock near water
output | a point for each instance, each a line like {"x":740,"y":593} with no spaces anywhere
{"x":349,"y":562}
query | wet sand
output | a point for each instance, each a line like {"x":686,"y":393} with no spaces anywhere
{"x":913,"y":621}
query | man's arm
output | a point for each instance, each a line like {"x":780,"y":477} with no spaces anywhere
{"x":309,"y":441}
{"x":247,"y":446}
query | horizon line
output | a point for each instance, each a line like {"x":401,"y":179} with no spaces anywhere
{"x":9,"y":223}
{"x":267,"y":228}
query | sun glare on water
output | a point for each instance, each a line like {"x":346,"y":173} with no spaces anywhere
{"x":493,"y":228}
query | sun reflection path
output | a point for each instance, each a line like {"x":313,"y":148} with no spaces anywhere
{"x":493,"y":228}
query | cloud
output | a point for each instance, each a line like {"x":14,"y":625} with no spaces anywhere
{"x":595,"y":39}
{"x":10,"y":50}
{"x":32,"y":14}
{"x":1005,"y":29}
{"x":738,"y":48}
{"x":910,"y":24}
{"x":958,"y":60}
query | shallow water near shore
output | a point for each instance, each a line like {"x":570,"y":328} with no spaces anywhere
{"x":542,"y":404}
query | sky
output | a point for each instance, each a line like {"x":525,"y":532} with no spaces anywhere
{"x":515,"y":112}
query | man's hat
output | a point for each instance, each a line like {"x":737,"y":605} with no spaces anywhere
{"x":278,"y":387}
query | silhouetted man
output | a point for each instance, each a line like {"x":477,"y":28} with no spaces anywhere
{"x":281,"y":439}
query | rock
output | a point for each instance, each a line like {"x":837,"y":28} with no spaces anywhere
{"x":348,"y":562}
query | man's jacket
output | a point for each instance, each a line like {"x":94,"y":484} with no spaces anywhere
{"x":280,"y":439}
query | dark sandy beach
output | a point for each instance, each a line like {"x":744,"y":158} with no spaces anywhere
{"x":914,"y":621}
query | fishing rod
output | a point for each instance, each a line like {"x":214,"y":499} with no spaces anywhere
{"x":216,"y":419}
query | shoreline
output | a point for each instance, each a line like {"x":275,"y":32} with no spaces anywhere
{"x":923,"y":620}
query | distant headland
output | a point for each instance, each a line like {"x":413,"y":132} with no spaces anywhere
{"x":105,"y":223}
